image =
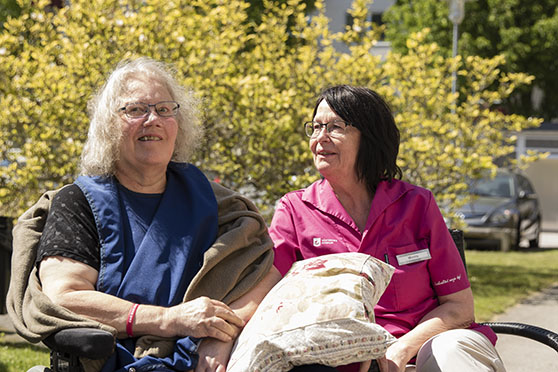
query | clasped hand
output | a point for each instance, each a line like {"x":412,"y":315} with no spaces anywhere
{"x":204,"y":317}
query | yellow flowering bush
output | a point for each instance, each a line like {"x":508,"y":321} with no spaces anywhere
{"x":258,"y":83}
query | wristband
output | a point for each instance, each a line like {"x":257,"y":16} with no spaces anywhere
{"x":130,"y":320}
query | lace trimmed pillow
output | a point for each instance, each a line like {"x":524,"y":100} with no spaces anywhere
{"x":321,"y":312}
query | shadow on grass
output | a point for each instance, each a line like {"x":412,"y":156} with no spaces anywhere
{"x":495,"y":280}
{"x":500,"y":280}
{"x":24,"y":346}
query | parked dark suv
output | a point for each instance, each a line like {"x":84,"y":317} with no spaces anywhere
{"x":504,"y":211}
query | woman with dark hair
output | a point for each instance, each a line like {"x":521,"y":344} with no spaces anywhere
{"x":360,"y":205}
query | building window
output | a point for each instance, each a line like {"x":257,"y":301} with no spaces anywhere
{"x":349,"y":19}
{"x":375,"y":17}
{"x":543,"y":145}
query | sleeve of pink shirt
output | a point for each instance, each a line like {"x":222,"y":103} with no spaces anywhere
{"x":283,"y":234}
{"x":443,"y":283}
{"x":447,"y":270}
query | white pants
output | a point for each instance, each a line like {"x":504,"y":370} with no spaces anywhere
{"x":458,"y":350}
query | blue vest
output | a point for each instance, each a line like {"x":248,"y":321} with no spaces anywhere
{"x":159,"y":270}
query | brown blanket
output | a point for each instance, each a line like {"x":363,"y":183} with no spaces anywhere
{"x":240,"y":257}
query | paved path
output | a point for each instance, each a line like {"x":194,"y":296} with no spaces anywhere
{"x":522,"y":354}
{"x":8,"y":331}
{"x":549,"y":240}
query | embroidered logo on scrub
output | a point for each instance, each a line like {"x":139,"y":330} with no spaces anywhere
{"x":320,"y":241}
{"x":446,"y":281}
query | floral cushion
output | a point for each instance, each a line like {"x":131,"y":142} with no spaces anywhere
{"x":321,"y":312}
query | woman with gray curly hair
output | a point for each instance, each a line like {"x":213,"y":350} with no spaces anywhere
{"x":102,"y":147}
{"x":130,"y":243}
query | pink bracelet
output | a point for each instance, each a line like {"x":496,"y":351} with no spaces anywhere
{"x":130,"y":321}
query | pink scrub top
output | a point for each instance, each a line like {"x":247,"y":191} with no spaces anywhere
{"x":403,"y":218}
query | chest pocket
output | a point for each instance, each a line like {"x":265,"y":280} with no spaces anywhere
{"x":410,"y":283}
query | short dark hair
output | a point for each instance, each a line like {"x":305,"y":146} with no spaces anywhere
{"x":367,"y":111}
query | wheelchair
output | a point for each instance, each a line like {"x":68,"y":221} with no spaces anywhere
{"x":69,"y":345}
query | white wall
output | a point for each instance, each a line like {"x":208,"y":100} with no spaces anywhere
{"x":544,"y":176}
{"x":336,"y":11}
{"x":543,"y":173}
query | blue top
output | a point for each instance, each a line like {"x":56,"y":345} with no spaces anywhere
{"x":151,"y":248}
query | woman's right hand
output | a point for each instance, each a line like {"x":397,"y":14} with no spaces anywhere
{"x":395,"y":359}
{"x":204,"y":317}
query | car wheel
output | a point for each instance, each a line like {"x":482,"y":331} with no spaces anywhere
{"x":517,"y":240}
{"x":534,"y":243}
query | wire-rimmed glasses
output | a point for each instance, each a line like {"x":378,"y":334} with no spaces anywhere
{"x":137,"y":110}
{"x":334,"y":128}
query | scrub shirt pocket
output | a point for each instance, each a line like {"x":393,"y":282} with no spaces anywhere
{"x":410,"y":283}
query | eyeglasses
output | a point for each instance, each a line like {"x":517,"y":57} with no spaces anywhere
{"x":136,"y":110}
{"x":334,"y":128}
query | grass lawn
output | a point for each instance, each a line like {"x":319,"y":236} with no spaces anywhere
{"x":502,"y":279}
{"x":499,"y":280}
{"x":21,"y":357}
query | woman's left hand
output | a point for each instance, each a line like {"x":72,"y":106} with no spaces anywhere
{"x":213,"y":355}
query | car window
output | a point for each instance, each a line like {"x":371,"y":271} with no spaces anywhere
{"x":525,"y":185}
{"x":500,"y":186}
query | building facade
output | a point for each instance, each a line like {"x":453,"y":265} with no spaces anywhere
{"x":336,"y":11}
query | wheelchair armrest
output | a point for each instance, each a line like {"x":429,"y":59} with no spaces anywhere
{"x":542,"y":335}
{"x":91,"y":343}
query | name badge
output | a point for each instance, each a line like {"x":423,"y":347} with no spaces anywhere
{"x":412,"y":257}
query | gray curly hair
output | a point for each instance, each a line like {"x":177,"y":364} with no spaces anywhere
{"x":102,"y":148}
